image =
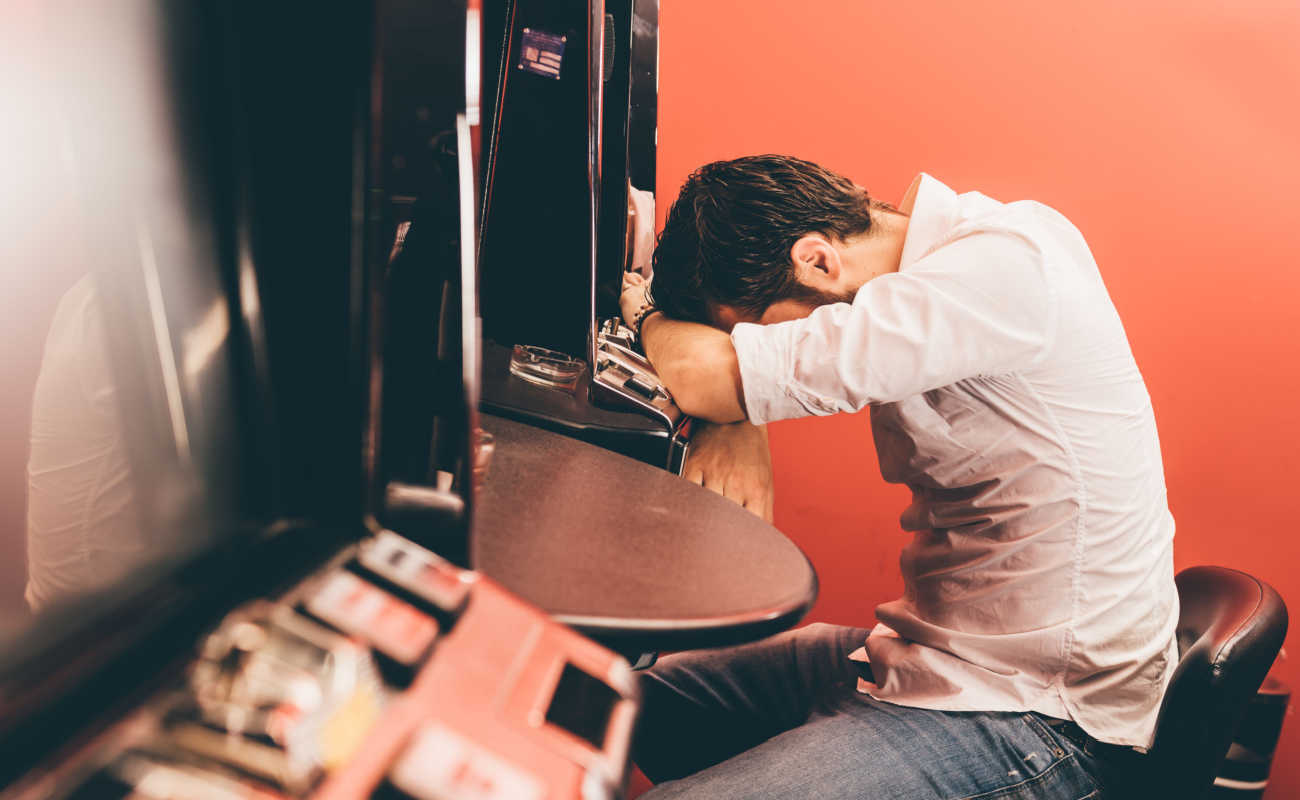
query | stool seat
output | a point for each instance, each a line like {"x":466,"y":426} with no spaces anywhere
{"x":1230,"y":628}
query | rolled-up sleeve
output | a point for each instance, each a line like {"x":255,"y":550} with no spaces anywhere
{"x":982,"y":304}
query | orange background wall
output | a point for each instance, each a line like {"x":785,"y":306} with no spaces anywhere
{"x":1169,"y":132}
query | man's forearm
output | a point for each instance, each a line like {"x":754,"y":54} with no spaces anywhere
{"x":698,"y":364}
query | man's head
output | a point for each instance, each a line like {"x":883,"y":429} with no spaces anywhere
{"x":762,"y":238}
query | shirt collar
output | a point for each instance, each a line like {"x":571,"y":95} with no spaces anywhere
{"x":933,"y":211}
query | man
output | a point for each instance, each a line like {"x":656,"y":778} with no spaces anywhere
{"x":1035,"y":637}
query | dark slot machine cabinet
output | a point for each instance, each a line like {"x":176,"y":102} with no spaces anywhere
{"x":423,"y":361}
{"x":571,"y":150}
{"x":250,"y":183}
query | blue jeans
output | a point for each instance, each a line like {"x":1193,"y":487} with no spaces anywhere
{"x":782,"y":718}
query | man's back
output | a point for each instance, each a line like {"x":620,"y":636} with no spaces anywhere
{"x":1040,"y":573}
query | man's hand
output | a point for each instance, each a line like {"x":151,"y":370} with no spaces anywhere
{"x":640,"y":230}
{"x":633,"y":298}
{"x":734,"y":461}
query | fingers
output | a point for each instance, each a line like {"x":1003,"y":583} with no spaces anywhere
{"x":699,"y":477}
{"x":633,"y":296}
{"x":761,"y":506}
{"x":718,"y":485}
{"x":758,"y":500}
{"x":730,"y":461}
{"x":753,"y":497}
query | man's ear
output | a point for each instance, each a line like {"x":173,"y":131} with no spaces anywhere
{"x":815,"y":260}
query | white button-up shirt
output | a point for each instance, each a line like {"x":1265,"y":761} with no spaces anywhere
{"x":1004,"y":394}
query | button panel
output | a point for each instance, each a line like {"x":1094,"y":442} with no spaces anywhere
{"x":624,"y":376}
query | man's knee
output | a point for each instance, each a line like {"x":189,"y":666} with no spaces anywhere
{"x":818,"y":631}
{"x":827,"y":644}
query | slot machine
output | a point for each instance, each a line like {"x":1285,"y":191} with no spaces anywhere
{"x":269,"y":365}
{"x":570,"y":154}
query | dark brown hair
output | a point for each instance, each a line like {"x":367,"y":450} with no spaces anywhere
{"x":728,"y":235}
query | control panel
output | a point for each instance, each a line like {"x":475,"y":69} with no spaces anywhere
{"x":623,"y":375}
{"x":390,"y":673}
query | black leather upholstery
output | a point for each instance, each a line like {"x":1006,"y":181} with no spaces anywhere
{"x":1230,"y":628}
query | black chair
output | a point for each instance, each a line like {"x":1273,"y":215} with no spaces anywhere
{"x":1230,"y":628}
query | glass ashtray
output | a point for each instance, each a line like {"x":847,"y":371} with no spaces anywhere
{"x":547,"y":368}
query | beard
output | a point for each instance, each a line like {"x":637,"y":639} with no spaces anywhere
{"x":820,"y":297}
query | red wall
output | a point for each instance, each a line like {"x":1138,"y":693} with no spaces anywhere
{"x":1169,"y":132}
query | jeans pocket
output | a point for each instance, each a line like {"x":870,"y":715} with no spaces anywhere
{"x":1064,"y":779}
{"x":1040,"y":730}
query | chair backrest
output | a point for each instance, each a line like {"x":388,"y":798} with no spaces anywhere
{"x":1230,"y":628}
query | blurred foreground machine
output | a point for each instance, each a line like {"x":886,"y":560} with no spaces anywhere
{"x":571,"y":150}
{"x":248,"y":178}
{"x":384,"y":675}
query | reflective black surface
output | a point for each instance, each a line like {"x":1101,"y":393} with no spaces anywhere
{"x":194,"y":192}
{"x":423,"y":299}
{"x":536,"y":254}
{"x":556,"y":236}
{"x":629,"y":141}
{"x":551,"y":262}
{"x":225,"y":183}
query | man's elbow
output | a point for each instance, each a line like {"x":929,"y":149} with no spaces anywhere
{"x":693,"y":404}
{"x":706,"y":388}
{"x":678,"y":378}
